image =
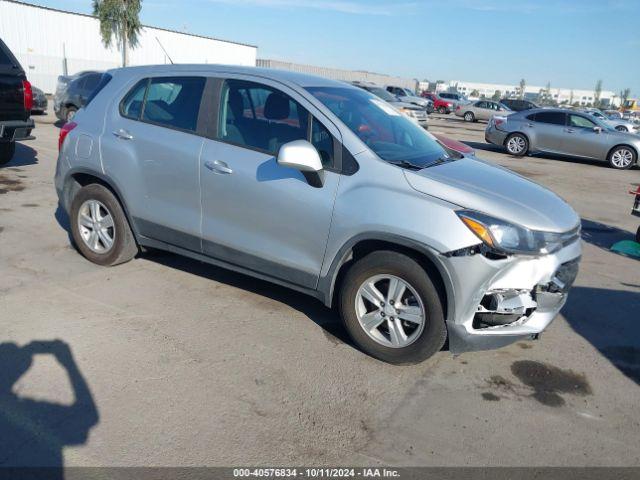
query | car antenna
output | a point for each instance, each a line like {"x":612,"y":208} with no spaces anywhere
{"x":165,"y":52}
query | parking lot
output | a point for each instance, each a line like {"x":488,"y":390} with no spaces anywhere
{"x":188,"y":364}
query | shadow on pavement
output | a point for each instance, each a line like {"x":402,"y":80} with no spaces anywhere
{"x":604,"y":236}
{"x":25,"y":155}
{"x":608,"y":319}
{"x":324,"y":317}
{"x":34,"y":432}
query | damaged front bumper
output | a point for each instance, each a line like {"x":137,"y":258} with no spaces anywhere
{"x":496,"y":301}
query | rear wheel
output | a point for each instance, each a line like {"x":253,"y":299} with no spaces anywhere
{"x":517,"y":144}
{"x":391,"y":308}
{"x":469,"y":117}
{"x":7,"y":150}
{"x":442,"y":110}
{"x":100,"y":228}
{"x":622,"y":157}
{"x":70,"y":113}
{"x":621,"y":128}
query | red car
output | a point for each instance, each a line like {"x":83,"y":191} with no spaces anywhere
{"x":441,"y":106}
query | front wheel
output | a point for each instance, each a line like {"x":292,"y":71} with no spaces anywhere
{"x":7,"y":150}
{"x":442,"y":110}
{"x":622,"y":158}
{"x":517,"y":144}
{"x":391,"y":308}
{"x":100,"y":228}
{"x":70,"y":113}
{"x":621,"y":128}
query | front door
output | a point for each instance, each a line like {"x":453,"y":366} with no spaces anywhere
{"x":256,"y":213}
{"x":581,"y":139}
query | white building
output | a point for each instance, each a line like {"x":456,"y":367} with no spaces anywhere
{"x":45,"y":40}
{"x":560,"y":95}
{"x":340,"y":74}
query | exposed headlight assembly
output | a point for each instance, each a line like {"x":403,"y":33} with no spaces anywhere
{"x":508,"y":238}
{"x":408,"y":112}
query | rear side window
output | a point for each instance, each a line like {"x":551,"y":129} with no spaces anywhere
{"x":131,"y":106}
{"x":172,"y":102}
{"x":553,"y":118}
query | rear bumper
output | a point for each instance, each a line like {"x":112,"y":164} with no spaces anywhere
{"x":495,"y":136}
{"x":13,"y":130}
{"x":498,"y":302}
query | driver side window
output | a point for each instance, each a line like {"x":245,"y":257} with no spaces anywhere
{"x":580,"y":122}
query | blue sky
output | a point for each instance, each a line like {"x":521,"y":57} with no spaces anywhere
{"x":570,"y":43}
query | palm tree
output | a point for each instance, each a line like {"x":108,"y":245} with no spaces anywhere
{"x":119,"y":19}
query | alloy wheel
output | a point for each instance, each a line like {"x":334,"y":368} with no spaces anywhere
{"x":622,"y":158}
{"x":96,"y":226}
{"x":516,"y":145}
{"x":390,"y":311}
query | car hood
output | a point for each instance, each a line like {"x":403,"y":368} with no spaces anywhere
{"x":416,"y":99}
{"x":408,"y":106}
{"x":477,"y":185}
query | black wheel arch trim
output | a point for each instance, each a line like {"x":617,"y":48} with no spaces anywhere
{"x":327,"y":283}
{"x":109,"y":182}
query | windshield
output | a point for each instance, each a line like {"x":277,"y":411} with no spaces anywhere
{"x":390,"y":135}
{"x":409,"y":92}
{"x":382,"y":93}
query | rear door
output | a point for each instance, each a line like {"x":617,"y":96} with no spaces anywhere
{"x":256,"y":213}
{"x":152,"y":142}
{"x":548,"y":130}
{"x":581,"y":138}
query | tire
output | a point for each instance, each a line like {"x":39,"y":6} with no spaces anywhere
{"x":621,"y":128}
{"x":69,"y":113}
{"x":469,"y":117}
{"x":622,"y":157}
{"x":517,"y":144}
{"x":420,"y":295}
{"x":123,"y":245}
{"x":7,"y":150}
{"x":638,"y":235}
{"x":442,"y":110}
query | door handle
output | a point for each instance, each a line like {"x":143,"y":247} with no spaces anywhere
{"x":218,"y":166}
{"x":569,"y":130}
{"x":123,"y":134}
{"x":529,"y":124}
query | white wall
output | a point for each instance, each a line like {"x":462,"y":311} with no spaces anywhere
{"x":38,"y":37}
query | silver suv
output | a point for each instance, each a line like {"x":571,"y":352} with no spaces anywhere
{"x":324,"y":188}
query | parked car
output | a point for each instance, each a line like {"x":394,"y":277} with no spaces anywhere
{"x":613,"y":114}
{"x":563,"y":132}
{"x":40,"y":102}
{"x":517,"y":104}
{"x":481,"y":110}
{"x":442,"y":106}
{"x":619,"y":124}
{"x":455,"y":98}
{"x":407,"y":96}
{"x":317,"y":185}
{"x":412,"y":111}
{"x":16,"y":100}
{"x":71,"y":98}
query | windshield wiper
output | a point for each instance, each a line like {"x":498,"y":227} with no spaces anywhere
{"x":440,"y":161}
{"x":407,"y":164}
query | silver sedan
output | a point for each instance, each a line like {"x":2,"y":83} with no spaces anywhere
{"x":564,"y":132}
{"x":481,"y":110}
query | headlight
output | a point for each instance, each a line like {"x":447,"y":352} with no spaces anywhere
{"x":408,"y":112}
{"x":509,"y":238}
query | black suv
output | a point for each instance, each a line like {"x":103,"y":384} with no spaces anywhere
{"x":68,"y":100}
{"x":518,"y":105}
{"x":16,"y":100}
